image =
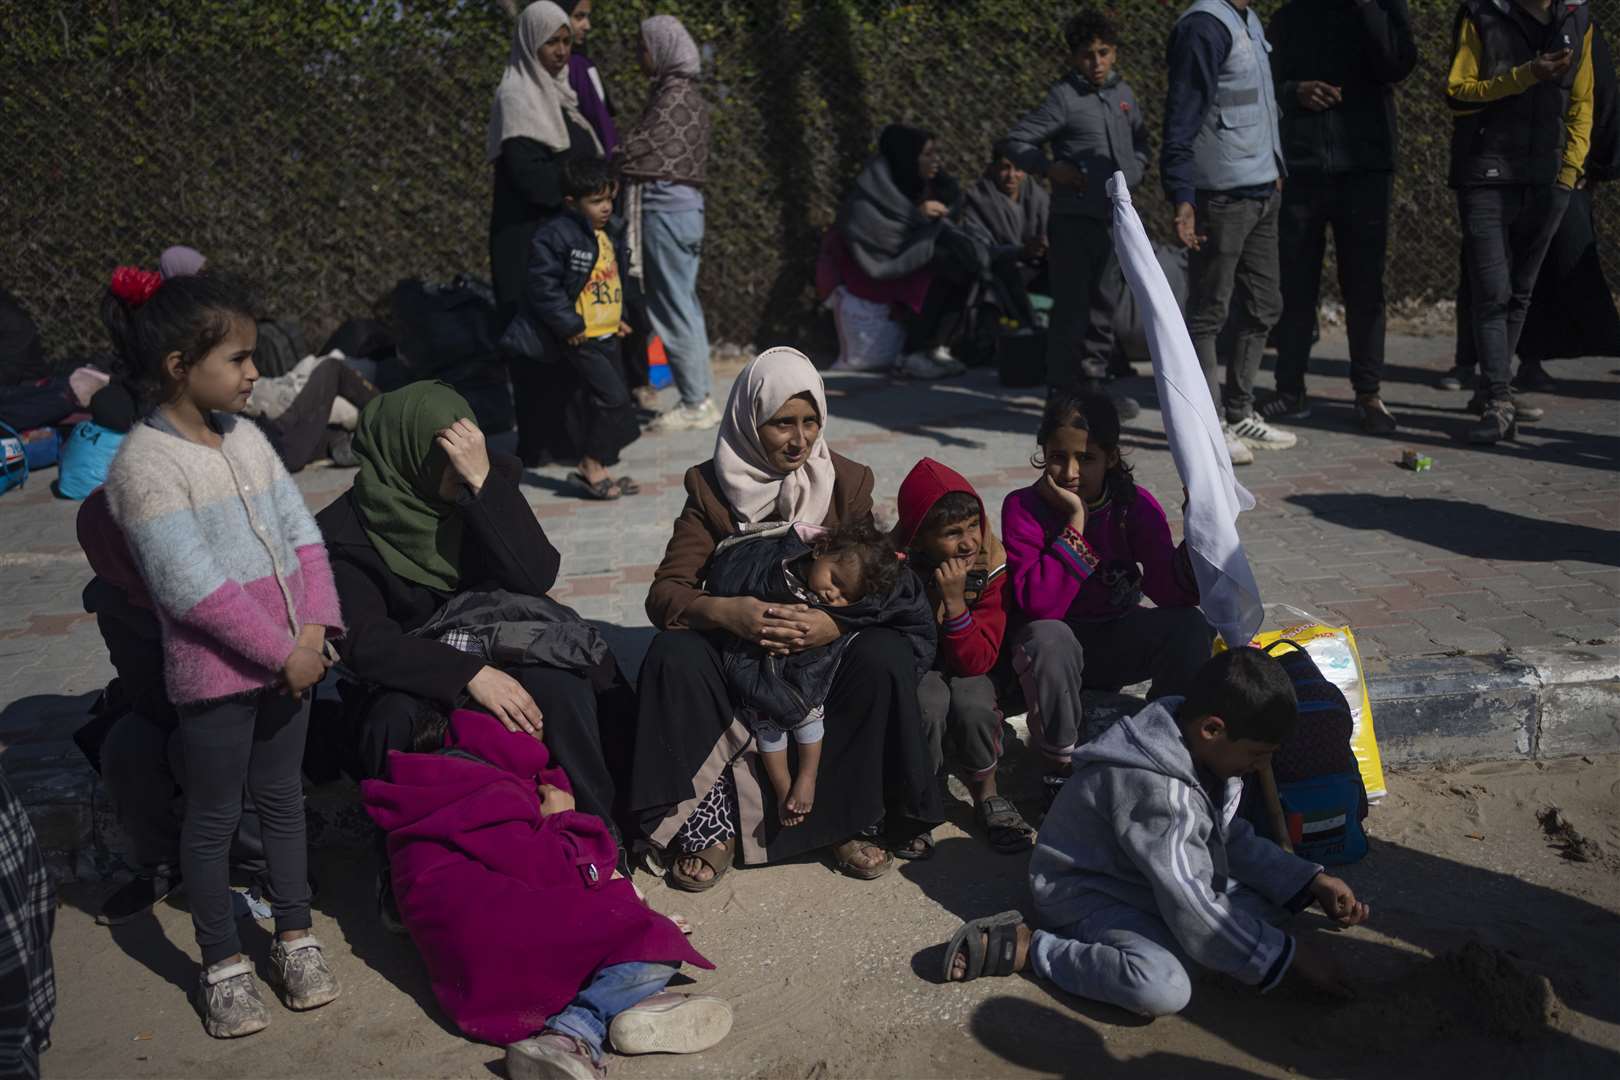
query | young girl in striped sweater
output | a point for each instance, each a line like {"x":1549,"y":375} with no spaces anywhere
{"x":235,"y":563}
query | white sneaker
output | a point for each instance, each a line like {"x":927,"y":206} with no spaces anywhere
{"x":1256,"y":434}
{"x":687,"y":418}
{"x":671,"y":1023}
{"x":1240,"y":454}
{"x":919,"y":365}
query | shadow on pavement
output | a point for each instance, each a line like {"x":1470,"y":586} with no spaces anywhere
{"x":1468,"y":529}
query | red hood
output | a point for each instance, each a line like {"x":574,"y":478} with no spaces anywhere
{"x":926,"y":483}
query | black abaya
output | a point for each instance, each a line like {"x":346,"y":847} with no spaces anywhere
{"x":875,"y":762}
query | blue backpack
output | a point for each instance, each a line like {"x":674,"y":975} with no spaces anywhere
{"x":85,"y":458}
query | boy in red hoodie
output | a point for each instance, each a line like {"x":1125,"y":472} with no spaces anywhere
{"x":949,"y":544}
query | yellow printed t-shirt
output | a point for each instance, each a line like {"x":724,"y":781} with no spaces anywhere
{"x":599,"y":300}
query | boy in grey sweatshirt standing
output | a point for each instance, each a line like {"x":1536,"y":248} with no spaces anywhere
{"x":1142,"y":864}
{"x":1091,"y":119}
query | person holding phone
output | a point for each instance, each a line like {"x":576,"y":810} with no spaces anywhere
{"x":1521,"y":92}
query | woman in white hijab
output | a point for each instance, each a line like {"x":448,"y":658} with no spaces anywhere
{"x":697,"y":790}
{"x":535,"y":127}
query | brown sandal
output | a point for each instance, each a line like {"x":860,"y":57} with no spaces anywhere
{"x":717,"y":858}
{"x":844,"y":859}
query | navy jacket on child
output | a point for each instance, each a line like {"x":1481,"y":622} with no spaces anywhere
{"x":561,"y":258}
{"x":791,"y":690}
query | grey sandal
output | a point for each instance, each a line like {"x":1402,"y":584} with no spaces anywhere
{"x":717,"y":858}
{"x":1008,"y":832}
{"x":991,"y":944}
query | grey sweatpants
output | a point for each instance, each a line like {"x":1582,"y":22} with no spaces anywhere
{"x":1054,"y":660}
{"x":1239,"y":249}
{"x":962,"y":721}
{"x":1128,"y":957}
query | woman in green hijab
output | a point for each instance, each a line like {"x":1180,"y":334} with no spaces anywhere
{"x":433,"y":515}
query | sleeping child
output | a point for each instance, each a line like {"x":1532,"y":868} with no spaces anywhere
{"x":852,"y":573}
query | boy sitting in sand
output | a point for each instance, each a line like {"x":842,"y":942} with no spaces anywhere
{"x":1141,"y":864}
{"x":852,"y":573}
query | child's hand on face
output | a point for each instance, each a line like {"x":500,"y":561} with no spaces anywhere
{"x":624,"y":329}
{"x":951,"y":580}
{"x":1338,"y":902}
{"x":554,"y":800}
{"x":1066,"y":502}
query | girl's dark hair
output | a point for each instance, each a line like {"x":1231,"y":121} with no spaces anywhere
{"x":429,"y":723}
{"x":1102,"y":421}
{"x":1088,"y":25}
{"x":1064,"y":408}
{"x":186,"y":315}
{"x":873,"y":551}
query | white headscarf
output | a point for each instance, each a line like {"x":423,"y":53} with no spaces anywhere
{"x":530,"y":102}
{"x":750,"y":484}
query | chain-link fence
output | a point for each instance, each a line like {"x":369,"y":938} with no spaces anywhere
{"x":328,"y":149}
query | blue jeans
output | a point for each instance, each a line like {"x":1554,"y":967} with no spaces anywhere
{"x":611,"y":991}
{"x":672,"y":249}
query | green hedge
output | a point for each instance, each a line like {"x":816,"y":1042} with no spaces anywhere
{"x":330,"y":147}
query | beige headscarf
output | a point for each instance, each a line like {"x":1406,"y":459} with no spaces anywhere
{"x":531,"y":102}
{"x":750,"y":484}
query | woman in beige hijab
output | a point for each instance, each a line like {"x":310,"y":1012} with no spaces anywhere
{"x":535,"y":127}
{"x":697,"y":788}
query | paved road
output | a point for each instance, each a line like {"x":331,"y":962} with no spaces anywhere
{"x":1493,"y":549}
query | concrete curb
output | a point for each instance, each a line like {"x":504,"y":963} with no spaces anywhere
{"x":1538,"y":703}
{"x":1541,"y":703}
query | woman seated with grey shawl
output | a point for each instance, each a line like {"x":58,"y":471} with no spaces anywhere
{"x":1009,"y":210}
{"x":899,"y":241}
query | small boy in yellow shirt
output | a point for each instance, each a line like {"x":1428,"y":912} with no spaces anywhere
{"x":574,"y":299}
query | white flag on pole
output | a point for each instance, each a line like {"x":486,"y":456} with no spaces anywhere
{"x":1230,"y":597}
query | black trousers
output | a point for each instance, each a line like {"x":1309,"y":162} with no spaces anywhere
{"x":875,"y":759}
{"x":1082,"y":271}
{"x":1356,"y":207}
{"x":1506,"y":232}
{"x":257,"y":743}
{"x":602,"y":411}
{"x":568,"y":707}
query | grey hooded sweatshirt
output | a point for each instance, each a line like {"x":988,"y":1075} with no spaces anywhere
{"x":1134,"y":825}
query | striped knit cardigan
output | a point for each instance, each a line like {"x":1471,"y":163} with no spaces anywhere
{"x":228,"y":551}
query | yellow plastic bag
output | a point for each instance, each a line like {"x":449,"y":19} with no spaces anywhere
{"x":1333,"y":648}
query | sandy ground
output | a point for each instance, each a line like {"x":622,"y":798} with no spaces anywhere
{"x":833,"y":977}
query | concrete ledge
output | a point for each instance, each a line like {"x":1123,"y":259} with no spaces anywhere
{"x":1538,"y":703}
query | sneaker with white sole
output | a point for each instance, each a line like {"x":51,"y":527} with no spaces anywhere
{"x":552,"y":1055}
{"x":699,"y":417}
{"x":1256,"y":434}
{"x":1240,"y":454}
{"x":671,"y":1023}
{"x":229,"y":1000}
{"x":298,"y":969}
{"x":919,"y":365}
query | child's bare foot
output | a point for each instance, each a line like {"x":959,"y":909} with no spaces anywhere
{"x":800,"y":800}
{"x":993,"y":934}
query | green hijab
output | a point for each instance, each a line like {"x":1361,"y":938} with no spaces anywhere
{"x":417,"y":533}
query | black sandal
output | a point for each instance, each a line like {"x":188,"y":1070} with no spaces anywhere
{"x":1008,"y":832}
{"x":627,"y":486}
{"x":604,"y":490}
{"x":991,"y":944}
{"x":919,"y":847}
